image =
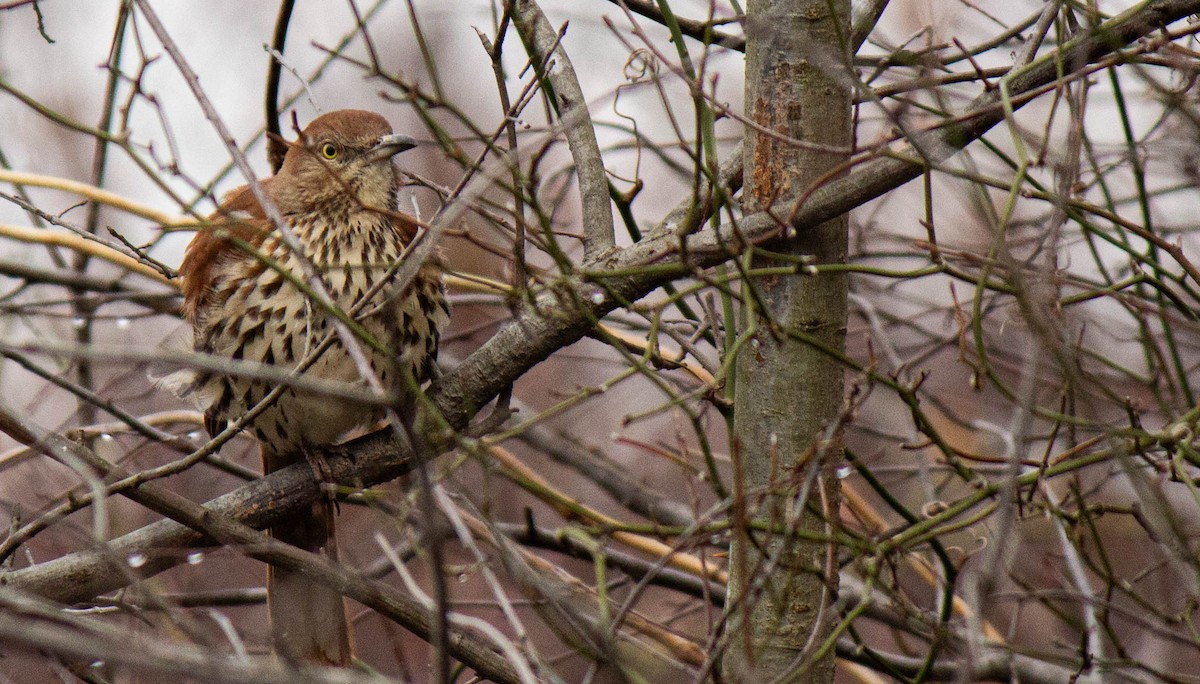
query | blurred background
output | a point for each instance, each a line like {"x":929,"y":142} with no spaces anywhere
{"x":1023,"y":317}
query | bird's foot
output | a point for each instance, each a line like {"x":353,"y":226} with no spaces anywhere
{"x":323,"y":474}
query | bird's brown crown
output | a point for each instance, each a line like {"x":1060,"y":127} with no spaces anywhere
{"x":349,"y":131}
{"x":333,"y":162}
{"x":334,"y":169}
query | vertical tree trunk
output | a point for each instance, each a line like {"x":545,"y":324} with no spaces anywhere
{"x":788,"y":392}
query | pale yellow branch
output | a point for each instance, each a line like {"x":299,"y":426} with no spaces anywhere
{"x":648,"y":545}
{"x":84,"y":246}
{"x":549,"y":575}
{"x":95,"y":194}
{"x":877,"y":524}
{"x":640,"y":344}
{"x":861,"y":673}
{"x":469,"y":282}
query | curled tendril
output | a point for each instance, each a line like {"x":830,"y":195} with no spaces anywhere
{"x":640,"y":65}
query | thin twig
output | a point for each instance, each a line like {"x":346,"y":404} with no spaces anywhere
{"x":554,"y":67}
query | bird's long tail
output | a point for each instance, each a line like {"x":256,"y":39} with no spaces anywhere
{"x":308,"y":619}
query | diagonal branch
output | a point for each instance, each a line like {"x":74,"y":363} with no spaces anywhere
{"x":207,"y":525}
{"x":38,"y":626}
{"x":563,"y":316}
{"x":542,"y":327}
{"x":82,"y":575}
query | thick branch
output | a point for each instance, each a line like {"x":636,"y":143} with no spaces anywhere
{"x":83,"y":575}
{"x":228,"y":530}
{"x":540,"y":329}
{"x":37,"y":626}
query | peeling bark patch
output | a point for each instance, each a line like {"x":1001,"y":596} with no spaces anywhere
{"x":764,"y":153}
{"x":778,"y":109}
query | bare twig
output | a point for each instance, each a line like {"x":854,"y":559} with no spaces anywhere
{"x":554,"y":67}
{"x":544,"y":326}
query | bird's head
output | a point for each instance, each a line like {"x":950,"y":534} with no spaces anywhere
{"x":341,"y":156}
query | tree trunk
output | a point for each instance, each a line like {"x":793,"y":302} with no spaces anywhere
{"x":789,"y":392}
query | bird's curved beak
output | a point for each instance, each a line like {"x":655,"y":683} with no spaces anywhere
{"x":390,"y":145}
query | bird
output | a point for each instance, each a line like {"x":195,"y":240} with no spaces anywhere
{"x":246,"y":296}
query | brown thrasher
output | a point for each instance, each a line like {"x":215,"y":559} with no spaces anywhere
{"x":336,"y":191}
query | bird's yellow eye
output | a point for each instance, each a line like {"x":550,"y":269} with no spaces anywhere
{"x":329,"y":151}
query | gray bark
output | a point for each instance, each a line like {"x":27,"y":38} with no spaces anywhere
{"x":789,"y":392}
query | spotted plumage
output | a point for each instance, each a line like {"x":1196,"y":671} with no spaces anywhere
{"x":244,"y":296}
{"x":252,"y":311}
